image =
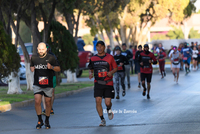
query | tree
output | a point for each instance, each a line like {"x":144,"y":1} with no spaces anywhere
{"x":72,"y":9}
{"x":103,"y":15}
{"x":159,"y":37}
{"x":142,"y":15}
{"x":9,"y":61}
{"x":63,"y":46}
{"x":194,"y":34}
{"x":88,"y":39}
{"x":24,"y":32}
{"x":176,"y":33}
{"x":8,"y":8}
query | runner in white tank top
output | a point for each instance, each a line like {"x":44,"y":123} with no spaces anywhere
{"x":175,"y":60}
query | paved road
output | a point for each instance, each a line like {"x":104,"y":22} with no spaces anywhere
{"x":173,"y":108}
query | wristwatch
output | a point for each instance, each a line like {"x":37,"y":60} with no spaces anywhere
{"x":52,"y":67}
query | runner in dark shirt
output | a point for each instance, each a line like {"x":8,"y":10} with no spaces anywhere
{"x":43,"y":66}
{"x":137,"y":65}
{"x":129,"y":56}
{"x":103,"y":66}
{"x":145,"y":59}
{"x":161,"y":59}
{"x":120,"y":74}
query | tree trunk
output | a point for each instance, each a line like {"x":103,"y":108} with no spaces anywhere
{"x":47,"y":23}
{"x":77,"y":25}
{"x":29,"y":74}
{"x":70,"y":22}
{"x":71,"y":77}
{"x":14,"y":84}
{"x":110,"y":36}
{"x":122,"y":32}
{"x":101,"y":36}
{"x":34,"y":28}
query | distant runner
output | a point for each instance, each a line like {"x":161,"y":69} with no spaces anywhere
{"x":145,"y":60}
{"x":137,"y":65}
{"x":175,"y":58}
{"x":187,"y":54}
{"x":161,"y":59}
{"x":120,"y":74}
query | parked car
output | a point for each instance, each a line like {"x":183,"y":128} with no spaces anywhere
{"x":84,"y":58}
{"x":22,"y":75}
{"x":29,"y":48}
{"x":22,"y":70}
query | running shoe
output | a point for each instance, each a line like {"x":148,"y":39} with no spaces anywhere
{"x":139,"y":85}
{"x":129,"y":86}
{"x":144,"y":92}
{"x":123,"y":93}
{"x":39,"y":125}
{"x":47,"y":126}
{"x":43,"y":112}
{"x":174,"y":77}
{"x":148,"y":97}
{"x":117,"y":97}
{"x":110,"y":114}
{"x":103,"y":123}
{"x":52,"y":112}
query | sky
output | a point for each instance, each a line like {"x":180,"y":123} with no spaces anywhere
{"x":197,"y":4}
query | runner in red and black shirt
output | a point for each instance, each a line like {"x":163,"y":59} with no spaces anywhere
{"x":161,"y":59}
{"x":145,"y":60}
{"x":102,"y":66}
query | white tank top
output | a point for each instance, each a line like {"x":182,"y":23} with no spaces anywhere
{"x":175,"y":57}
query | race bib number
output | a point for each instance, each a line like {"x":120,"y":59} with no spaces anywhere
{"x":177,"y":59}
{"x":43,"y":81}
{"x":184,"y":58}
{"x":120,"y":68}
{"x":102,"y":74}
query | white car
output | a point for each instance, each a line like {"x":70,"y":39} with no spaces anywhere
{"x":22,"y":70}
{"x":22,"y":75}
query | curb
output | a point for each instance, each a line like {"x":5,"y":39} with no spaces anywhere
{"x":8,"y":107}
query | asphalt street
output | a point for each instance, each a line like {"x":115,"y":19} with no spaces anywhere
{"x":172,"y":109}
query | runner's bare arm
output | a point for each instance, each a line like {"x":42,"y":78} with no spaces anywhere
{"x":54,"y":68}
{"x":112,"y":72}
{"x":171,"y":57}
{"x":91,"y":73}
{"x":180,"y":56}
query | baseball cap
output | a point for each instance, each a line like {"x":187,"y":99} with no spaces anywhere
{"x":117,"y":48}
{"x":146,"y":45}
{"x":101,"y":42}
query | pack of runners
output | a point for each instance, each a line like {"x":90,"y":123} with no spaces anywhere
{"x":103,"y":66}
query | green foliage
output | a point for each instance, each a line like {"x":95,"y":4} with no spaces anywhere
{"x":193,"y":34}
{"x":198,"y":11}
{"x":190,"y":9}
{"x":9,"y":58}
{"x":176,"y":33}
{"x":103,"y":14}
{"x":88,"y":39}
{"x":63,"y":46}
{"x":159,"y":37}
{"x":24,"y":32}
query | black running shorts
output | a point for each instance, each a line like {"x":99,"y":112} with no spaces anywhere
{"x":146,"y":76}
{"x":104,"y":91}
